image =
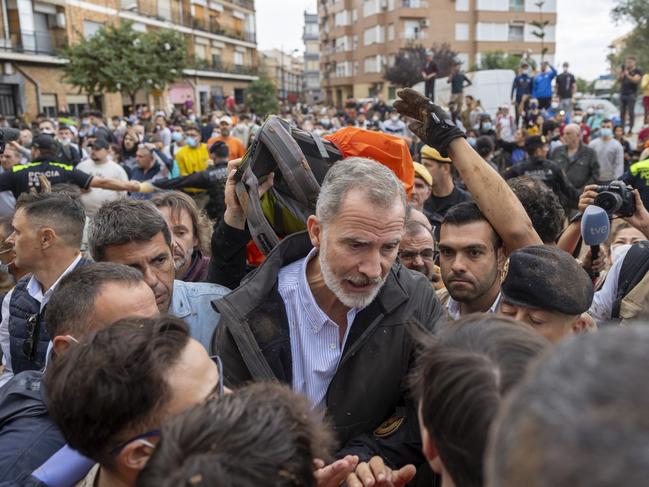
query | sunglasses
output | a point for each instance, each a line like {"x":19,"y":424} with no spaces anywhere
{"x":29,"y":345}
{"x":218,"y":391}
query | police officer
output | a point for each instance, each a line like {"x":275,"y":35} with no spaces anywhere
{"x":546,"y":288}
{"x":22,"y":177}
{"x":539,"y":167}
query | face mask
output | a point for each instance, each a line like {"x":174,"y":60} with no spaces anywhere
{"x":599,"y":112}
{"x":64,"y":140}
{"x":471,"y":141}
{"x":533,"y":106}
{"x":191,"y":141}
{"x":618,"y":250}
{"x":590,"y":111}
{"x":526,"y":71}
{"x":486,"y":126}
{"x":606,"y":132}
{"x":578,"y":119}
{"x":394,"y":118}
{"x":176,"y":136}
{"x":554,"y":105}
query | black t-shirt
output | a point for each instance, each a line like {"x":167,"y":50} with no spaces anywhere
{"x":22,"y":177}
{"x":565,"y":82}
{"x":442,"y":205}
{"x":627,"y":87}
{"x":431,"y":67}
{"x":457,"y":83}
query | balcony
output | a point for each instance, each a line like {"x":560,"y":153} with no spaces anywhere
{"x":220,"y":67}
{"x":414,"y":4}
{"x":249,"y":4}
{"x":35,"y":42}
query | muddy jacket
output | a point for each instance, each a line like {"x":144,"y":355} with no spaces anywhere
{"x":367,"y":400}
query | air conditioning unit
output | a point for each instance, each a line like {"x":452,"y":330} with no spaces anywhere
{"x":424,"y":23}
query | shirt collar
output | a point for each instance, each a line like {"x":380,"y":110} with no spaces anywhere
{"x":316,"y":317}
{"x":179,"y":302}
{"x":34,"y":288}
{"x":453,"y":307}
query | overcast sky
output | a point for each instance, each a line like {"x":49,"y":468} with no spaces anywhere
{"x":584,"y":32}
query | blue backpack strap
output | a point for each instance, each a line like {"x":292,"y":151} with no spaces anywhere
{"x":64,"y":469}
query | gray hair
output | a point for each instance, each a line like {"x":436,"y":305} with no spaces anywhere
{"x":414,"y":228}
{"x":380,"y":185}
{"x":123,"y":221}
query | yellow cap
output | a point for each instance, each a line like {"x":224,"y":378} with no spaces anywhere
{"x":429,"y":153}
{"x":423,"y":173}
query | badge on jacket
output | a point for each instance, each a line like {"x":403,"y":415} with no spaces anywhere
{"x":389,"y":426}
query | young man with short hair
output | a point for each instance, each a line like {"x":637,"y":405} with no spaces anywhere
{"x":610,"y":153}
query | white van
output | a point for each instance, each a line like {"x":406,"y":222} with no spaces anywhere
{"x":493,"y":87}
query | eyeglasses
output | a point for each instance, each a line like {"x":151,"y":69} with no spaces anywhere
{"x":29,"y":345}
{"x":219,"y":388}
{"x":410,"y":255}
{"x":218,"y":391}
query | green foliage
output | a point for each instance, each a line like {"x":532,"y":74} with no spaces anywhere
{"x":120,"y":59}
{"x":540,"y":26}
{"x":410,"y":61}
{"x":637,"y":13}
{"x":261,"y":97}
{"x":500,"y":60}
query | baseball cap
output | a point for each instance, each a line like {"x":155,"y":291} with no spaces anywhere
{"x":423,"y":173}
{"x":225,"y":119}
{"x":428,"y":152}
{"x":100,"y":143}
{"x":43,"y":141}
{"x":534,"y":141}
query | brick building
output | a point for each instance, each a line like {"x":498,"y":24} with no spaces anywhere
{"x":359,"y":38}
{"x":220,"y":34}
{"x":286,"y":71}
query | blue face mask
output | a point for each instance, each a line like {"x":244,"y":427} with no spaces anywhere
{"x":471,"y":141}
{"x":176,"y":136}
{"x":191,"y":141}
{"x":486,"y":126}
{"x":606,"y":132}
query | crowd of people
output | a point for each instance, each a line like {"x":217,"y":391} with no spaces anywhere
{"x":435,"y":322}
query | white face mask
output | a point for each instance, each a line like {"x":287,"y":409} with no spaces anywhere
{"x":618,"y":250}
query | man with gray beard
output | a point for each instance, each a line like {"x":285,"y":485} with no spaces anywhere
{"x":330,"y":312}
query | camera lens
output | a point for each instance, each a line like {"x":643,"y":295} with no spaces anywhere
{"x":609,"y":202}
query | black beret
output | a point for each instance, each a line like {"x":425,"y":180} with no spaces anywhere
{"x":546,"y":278}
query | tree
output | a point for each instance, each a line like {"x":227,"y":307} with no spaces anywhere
{"x":500,"y":60}
{"x":585,"y":86}
{"x":409,"y":62}
{"x":635,"y":43}
{"x":120,"y":59}
{"x":540,"y":26}
{"x":261,"y":97}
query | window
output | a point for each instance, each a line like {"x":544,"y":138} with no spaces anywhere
{"x":216,"y":57}
{"x":461,"y":5}
{"x":549,"y":6}
{"x":238,"y":58}
{"x":342,"y":18}
{"x":199,"y":51}
{"x":374,"y":35}
{"x":164,"y":9}
{"x":390,"y":32}
{"x":461,"y":32}
{"x":517,"y":5}
{"x":412,"y":29}
{"x":492,"y":31}
{"x":373,"y":64}
{"x":463,"y":57}
{"x":48,"y":104}
{"x":371,"y":7}
{"x":90,"y":28}
{"x":516,"y":33}
{"x":493,"y":5}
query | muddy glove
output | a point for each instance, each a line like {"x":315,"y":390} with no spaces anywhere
{"x":432,"y":124}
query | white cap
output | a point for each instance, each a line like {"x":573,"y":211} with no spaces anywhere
{"x":225,"y":119}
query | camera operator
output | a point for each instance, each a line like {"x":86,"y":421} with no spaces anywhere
{"x":607,"y":301}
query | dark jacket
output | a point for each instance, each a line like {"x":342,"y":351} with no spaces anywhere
{"x":228,"y":262}
{"x":581,"y":169}
{"x":551,"y":174}
{"x":370,"y":384}
{"x":27,"y":435}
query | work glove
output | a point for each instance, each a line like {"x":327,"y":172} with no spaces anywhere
{"x":431,"y":124}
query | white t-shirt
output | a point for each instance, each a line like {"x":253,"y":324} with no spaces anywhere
{"x":96,"y":197}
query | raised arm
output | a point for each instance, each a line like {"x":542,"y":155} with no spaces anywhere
{"x":115,"y":184}
{"x":492,"y":194}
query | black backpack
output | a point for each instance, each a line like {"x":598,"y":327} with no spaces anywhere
{"x":634,"y":268}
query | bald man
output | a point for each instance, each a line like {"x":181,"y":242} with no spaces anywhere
{"x":578,"y":161}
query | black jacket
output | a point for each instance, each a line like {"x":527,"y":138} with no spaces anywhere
{"x":581,"y":169}
{"x":551,"y":174}
{"x":370,"y":384}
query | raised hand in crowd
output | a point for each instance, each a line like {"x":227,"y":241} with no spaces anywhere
{"x":235,"y":211}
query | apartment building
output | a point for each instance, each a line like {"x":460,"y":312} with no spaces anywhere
{"x":220,"y":34}
{"x":286,"y":71}
{"x":359,"y":38}
{"x":311,"y":38}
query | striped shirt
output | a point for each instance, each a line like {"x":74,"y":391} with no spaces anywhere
{"x":315,"y":339}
